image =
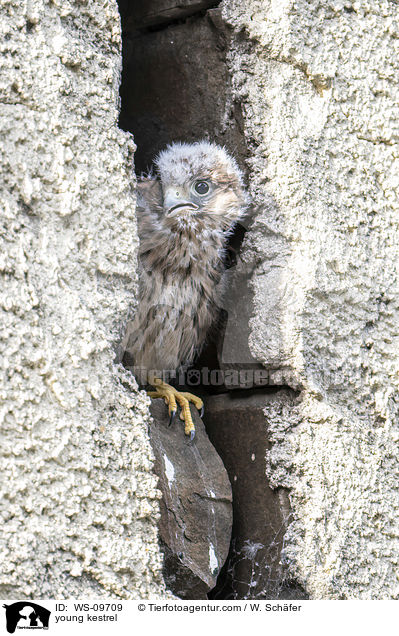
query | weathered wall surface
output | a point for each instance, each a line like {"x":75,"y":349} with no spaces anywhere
{"x":317,"y":82}
{"x":79,"y":502}
{"x":321,"y":109}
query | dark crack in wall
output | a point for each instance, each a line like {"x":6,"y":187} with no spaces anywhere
{"x":176,"y":87}
{"x":175,"y":83}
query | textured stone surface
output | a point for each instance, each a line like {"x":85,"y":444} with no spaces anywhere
{"x":318,"y":84}
{"x":196,"y":510}
{"x":321,"y":115}
{"x":238,"y":429}
{"x":79,"y":502}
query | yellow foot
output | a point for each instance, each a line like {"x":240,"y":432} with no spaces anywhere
{"x":183,"y":399}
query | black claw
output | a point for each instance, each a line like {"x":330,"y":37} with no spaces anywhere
{"x":192,"y":435}
{"x":202,"y":411}
{"x":172,"y":418}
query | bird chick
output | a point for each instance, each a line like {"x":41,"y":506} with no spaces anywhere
{"x":185,"y":214}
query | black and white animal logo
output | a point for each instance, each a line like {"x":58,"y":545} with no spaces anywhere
{"x":26,"y":615}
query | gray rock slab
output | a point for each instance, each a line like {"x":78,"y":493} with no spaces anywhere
{"x":196,"y":509}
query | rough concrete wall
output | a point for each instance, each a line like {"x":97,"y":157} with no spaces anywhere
{"x":79,"y":501}
{"x":318,"y":83}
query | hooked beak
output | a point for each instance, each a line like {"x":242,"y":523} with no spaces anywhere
{"x":175,"y":200}
{"x":180,"y":206}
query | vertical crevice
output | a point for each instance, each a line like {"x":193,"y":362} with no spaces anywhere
{"x":175,"y":83}
{"x":176,"y":87}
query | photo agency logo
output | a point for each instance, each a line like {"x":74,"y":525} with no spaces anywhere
{"x":26,"y":615}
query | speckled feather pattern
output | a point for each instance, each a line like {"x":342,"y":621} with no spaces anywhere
{"x":181,"y":255}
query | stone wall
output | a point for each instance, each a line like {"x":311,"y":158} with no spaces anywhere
{"x":320,"y":100}
{"x":305,"y":95}
{"x":79,"y":504}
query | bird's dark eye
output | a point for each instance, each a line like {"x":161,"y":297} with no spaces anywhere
{"x":201,"y":187}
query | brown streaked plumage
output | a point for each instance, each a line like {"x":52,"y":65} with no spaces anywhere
{"x":184,"y":218}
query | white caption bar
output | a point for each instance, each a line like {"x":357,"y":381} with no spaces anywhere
{"x":147,"y":617}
